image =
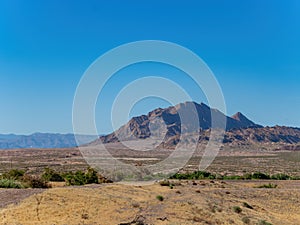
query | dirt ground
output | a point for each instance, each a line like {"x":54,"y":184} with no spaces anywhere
{"x":14,"y":196}
{"x":230,"y":161}
{"x":200,"y":202}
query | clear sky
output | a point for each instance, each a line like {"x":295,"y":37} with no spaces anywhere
{"x":253,"y":48}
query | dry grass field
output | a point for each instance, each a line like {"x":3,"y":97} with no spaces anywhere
{"x":188,"y":202}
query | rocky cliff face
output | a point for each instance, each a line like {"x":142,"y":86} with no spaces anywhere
{"x":277,"y":134}
{"x":166,"y":124}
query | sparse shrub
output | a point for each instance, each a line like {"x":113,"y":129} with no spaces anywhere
{"x":167,"y":183}
{"x":211,"y":176}
{"x":82,"y":178}
{"x":261,"y":176}
{"x":263,"y":222}
{"x":13,"y":174}
{"x":247,"y":176}
{"x":194,"y":175}
{"x":51,"y":175}
{"x":10,"y":183}
{"x":102,"y":179}
{"x":281,"y":176}
{"x":197,"y":175}
{"x":246,"y":220}
{"x":159,"y":198}
{"x":295,"y":178}
{"x":213,"y":208}
{"x":35,"y":182}
{"x":268,"y":186}
{"x":246,"y":205}
{"x":164,"y":183}
{"x":91,"y":176}
{"x":218,"y":177}
{"x":76,"y":178}
{"x":237,"y":209}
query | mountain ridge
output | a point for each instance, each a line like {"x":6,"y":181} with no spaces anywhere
{"x":239,"y":129}
{"x":43,"y":140}
{"x":165,"y":125}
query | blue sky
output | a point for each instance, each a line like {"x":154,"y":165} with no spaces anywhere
{"x":252,"y":47}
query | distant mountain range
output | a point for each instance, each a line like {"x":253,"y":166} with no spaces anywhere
{"x":42,"y":140}
{"x":239,"y":129}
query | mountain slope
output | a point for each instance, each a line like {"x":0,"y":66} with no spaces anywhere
{"x":167,"y":122}
{"x":277,"y":134}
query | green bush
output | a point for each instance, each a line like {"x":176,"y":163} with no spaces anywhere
{"x":233,"y":177}
{"x":193,"y":175}
{"x":237,"y":209}
{"x":51,"y":175}
{"x":249,"y":176}
{"x":159,"y":198}
{"x":82,"y":178}
{"x":13,"y":174}
{"x":263,"y":222}
{"x":76,"y":178}
{"x":17,"y":178}
{"x":261,"y":176}
{"x":10,"y":183}
{"x":281,"y":176}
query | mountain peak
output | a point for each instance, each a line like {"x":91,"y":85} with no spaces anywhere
{"x":239,"y":116}
{"x":139,"y":127}
{"x":244,"y":120}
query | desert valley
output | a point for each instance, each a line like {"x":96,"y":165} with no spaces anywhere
{"x":150,"y":112}
{"x":227,"y":194}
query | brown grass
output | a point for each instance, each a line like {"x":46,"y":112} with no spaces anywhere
{"x":204,"y":203}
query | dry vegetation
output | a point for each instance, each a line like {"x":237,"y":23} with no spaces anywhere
{"x":188,"y":202}
{"x":259,"y":202}
{"x":229,"y":161}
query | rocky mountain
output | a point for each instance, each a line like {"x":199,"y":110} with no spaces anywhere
{"x":167,"y":122}
{"x":42,"y":140}
{"x":168,"y":125}
{"x":276,"y":134}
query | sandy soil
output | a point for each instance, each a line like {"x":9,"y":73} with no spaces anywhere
{"x":200,"y":202}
